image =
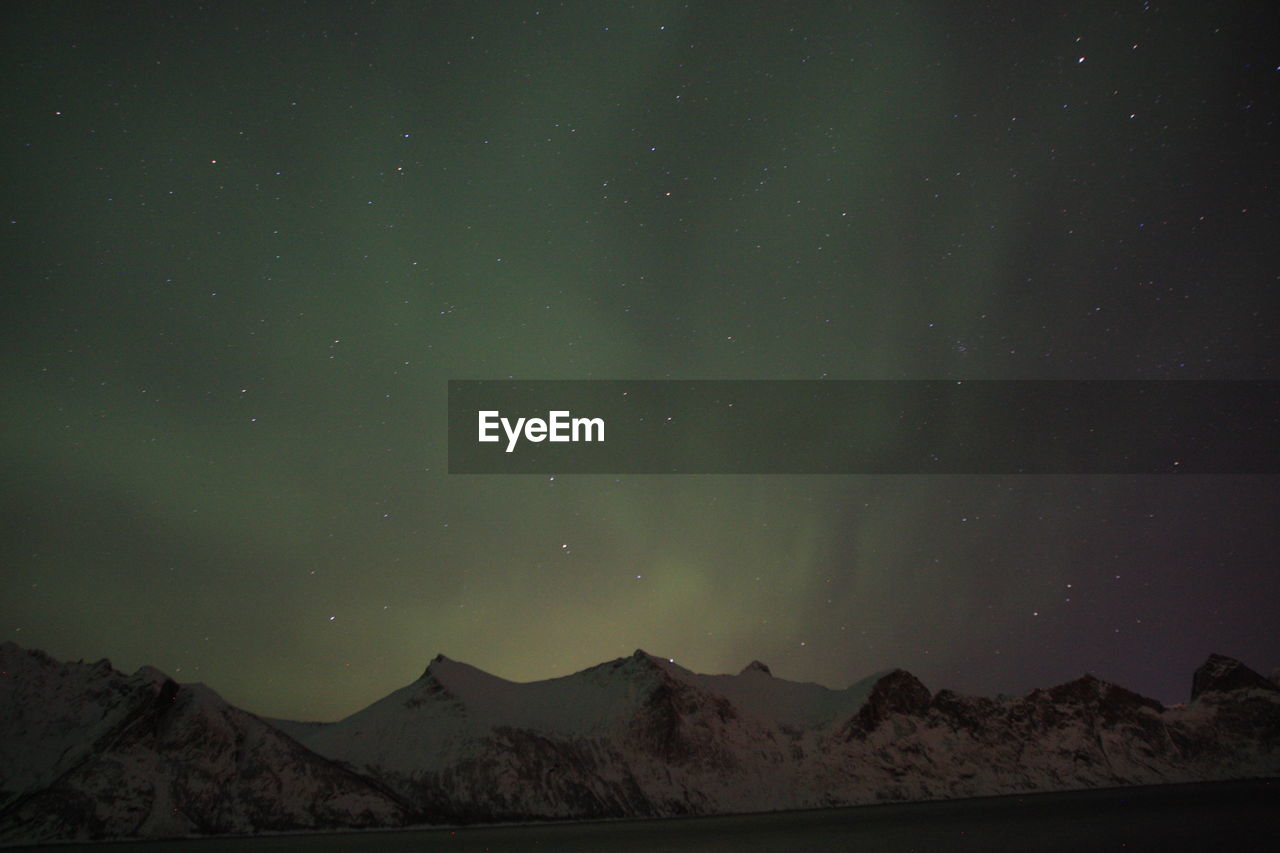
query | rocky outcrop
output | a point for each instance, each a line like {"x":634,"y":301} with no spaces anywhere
{"x":91,"y":753}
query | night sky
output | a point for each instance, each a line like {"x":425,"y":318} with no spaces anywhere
{"x":246,"y":246}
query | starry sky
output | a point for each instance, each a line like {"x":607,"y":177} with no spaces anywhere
{"x":247,"y":245}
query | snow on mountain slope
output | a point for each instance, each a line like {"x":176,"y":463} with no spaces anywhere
{"x":643,"y":736}
{"x":88,"y":752}
{"x":52,"y":713}
{"x":618,"y":738}
{"x":85,"y":750}
{"x":453,"y":703}
{"x":794,"y":704}
{"x":1085,"y":733}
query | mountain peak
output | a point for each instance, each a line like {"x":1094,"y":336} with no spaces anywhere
{"x":1223,"y":674}
{"x":435,"y":662}
{"x":755,"y":666}
{"x":894,"y":692}
{"x":1089,"y":690}
{"x":641,"y":656}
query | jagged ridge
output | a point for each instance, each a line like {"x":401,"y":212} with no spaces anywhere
{"x":87,"y":752}
{"x":636,"y":736}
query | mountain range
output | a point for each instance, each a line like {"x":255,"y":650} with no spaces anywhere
{"x":87,"y":752}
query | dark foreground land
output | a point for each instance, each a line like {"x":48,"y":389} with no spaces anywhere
{"x":1226,"y":816}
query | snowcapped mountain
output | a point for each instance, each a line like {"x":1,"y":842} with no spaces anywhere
{"x":641,"y":736}
{"x":86,"y":750}
{"x":635,"y":736}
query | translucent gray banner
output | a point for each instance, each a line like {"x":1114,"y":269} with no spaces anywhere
{"x":863,"y":427}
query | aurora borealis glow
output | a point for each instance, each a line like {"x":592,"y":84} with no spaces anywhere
{"x":247,"y":245}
